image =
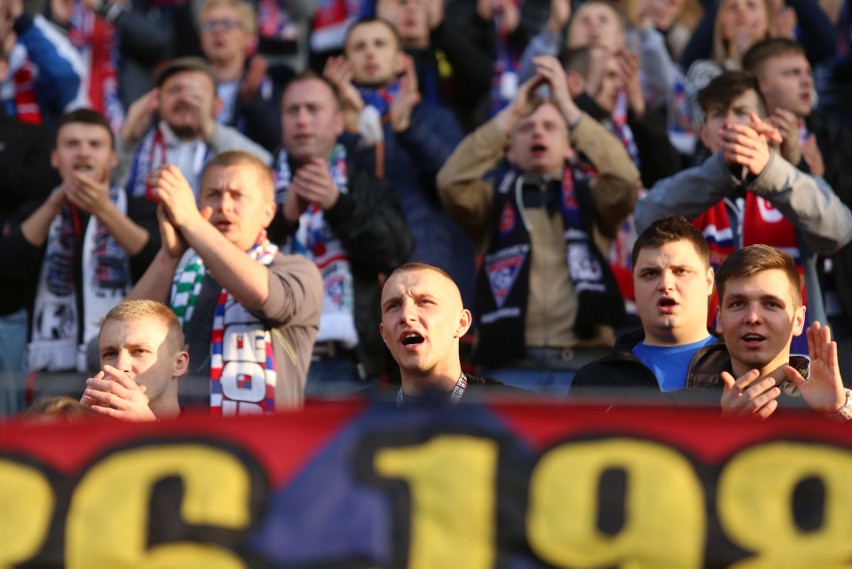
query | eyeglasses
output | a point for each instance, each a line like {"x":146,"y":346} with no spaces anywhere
{"x":211,"y":25}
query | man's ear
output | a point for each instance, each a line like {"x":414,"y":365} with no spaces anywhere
{"x":718,"y":318}
{"x":799,"y":320}
{"x":181,"y":364}
{"x":382,"y":333}
{"x":711,"y":280}
{"x":465,"y":320}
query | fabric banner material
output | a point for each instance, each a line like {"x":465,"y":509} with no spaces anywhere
{"x":354,"y":484}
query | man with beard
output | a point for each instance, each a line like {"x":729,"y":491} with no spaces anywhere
{"x":186,"y":133}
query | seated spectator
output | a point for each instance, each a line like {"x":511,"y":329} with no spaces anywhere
{"x":249,"y":96}
{"x":760,"y":311}
{"x":402,"y":139}
{"x":186,"y":133}
{"x":422,"y":321}
{"x":546,"y":299}
{"x":746,"y":193}
{"x":44,"y":76}
{"x":142,"y":357}
{"x":250,"y":314}
{"x":338,"y":215}
{"x":673,"y":282}
{"x":87,"y":243}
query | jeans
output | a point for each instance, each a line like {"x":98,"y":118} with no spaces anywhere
{"x":13,"y":344}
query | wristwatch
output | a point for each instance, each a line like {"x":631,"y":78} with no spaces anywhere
{"x":844,"y":413}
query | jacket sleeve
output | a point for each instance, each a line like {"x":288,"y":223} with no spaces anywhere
{"x":657,"y":70}
{"x":60,"y":69}
{"x":807,"y":202}
{"x":146,"y":35}
{"x":658,"y":159}
{"x":432,"y":135}
{"x":369,"y":222}
{"x":687,"y":193}
{"x":616,"y":185}
{"x":466,"y":197}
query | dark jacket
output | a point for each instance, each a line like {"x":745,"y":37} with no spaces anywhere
{"x":621,"y":369}
{"x":370,"y":225}
{"x":412,"y":160}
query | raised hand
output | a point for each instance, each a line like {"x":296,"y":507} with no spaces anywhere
{"x":823,"y":391}
{"x":407,"y":98}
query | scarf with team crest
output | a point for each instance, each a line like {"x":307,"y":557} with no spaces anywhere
{"x":503,"y":282}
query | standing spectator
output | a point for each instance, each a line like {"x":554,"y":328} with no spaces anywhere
{"x":26,"y":179}
{"x":44,"y":70}
{"x":186,"y":133}
{"x":452,"y":70}
{"x":404,"y":140}
{"x":250,"y":314}
{"x":545,"y":295}
{"x":345,"y":220}
{"x":249,"y":96}
{"x":94,"y":239}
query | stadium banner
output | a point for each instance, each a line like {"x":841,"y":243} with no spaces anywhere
{"x":363,"y":485}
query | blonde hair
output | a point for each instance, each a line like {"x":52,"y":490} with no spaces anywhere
{"x":229,"y":158}
{"x":128,"y":310}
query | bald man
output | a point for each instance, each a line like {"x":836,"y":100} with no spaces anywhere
{"x":422,"y":321}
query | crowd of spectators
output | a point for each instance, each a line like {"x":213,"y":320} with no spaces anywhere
{"x":520,"y":146}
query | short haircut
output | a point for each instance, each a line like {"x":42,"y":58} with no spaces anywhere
{"x":245,"y":12}
{"x":757,"y":55}
{"x":413,"y":267}
{"x":667,"y":230}
{"x":128,"y":310}
{"x":182,"y":64}
{"x":229,"y":158}
{"x":85,"y":116}
{"x":372,"y":20}
{"x":723,"y":89}
{"x":754,"y":259}
{"x":311,"y":75}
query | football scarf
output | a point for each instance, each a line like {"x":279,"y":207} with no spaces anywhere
{"x":243,"y":371}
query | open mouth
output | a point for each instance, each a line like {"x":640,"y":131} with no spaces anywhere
{"x":753,"y":339}
{"x":666,"y":302}
{"x":538,"y":149}
{"x":412,"y":339}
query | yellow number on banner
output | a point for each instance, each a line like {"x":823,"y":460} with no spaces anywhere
{"x":755,"y":502}
{"x":109,"y":513}
{"x":24,"y":522}
{"x":664,"y":523}
{"x":452,"y":481}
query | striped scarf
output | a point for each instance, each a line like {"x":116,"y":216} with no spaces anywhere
{"x":27,"y":109}
{"x":243,"y":371}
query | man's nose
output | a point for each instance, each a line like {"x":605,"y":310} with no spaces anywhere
{"x":752,"y":315}
{"x":123,"y":361}
{"x":667,"y":280}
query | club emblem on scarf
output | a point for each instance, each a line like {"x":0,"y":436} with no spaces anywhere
{"x":502,"y":269}
{"x":507,"y":218}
